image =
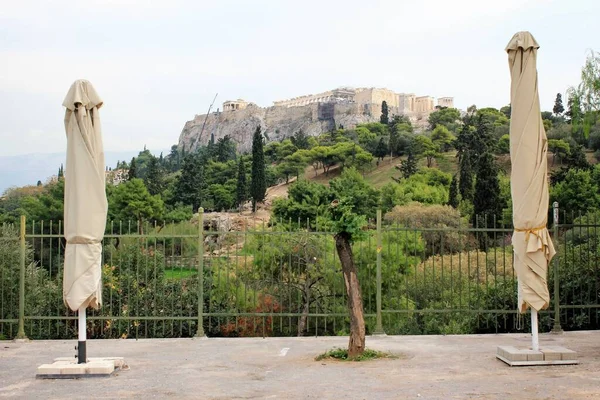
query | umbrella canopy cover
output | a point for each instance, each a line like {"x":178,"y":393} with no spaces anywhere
{"x":85,"y":198}
{"x":531,"y":240}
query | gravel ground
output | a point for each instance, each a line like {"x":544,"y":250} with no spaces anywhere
{"x":428,"y":367}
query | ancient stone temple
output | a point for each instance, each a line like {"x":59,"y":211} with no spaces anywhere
{"x":312,"y":113}
{"x":234,"y":105}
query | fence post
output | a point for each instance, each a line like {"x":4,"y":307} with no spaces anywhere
{"x":556,"y":328}
{"x":378,"y":323}
{"x":200,"y":332}
{"x":21,"y":332}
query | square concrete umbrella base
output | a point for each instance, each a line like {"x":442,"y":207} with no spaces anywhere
{"x":547,"y":355}
{"x":67,"y":368}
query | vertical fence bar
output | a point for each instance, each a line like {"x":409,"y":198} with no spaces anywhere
{"x":556,"y":328}
{"x":378,"y":323}
{"x":200,"y":332}
{"x":21,"y":331}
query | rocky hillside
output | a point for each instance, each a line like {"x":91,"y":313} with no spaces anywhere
{"x":277,"y":122}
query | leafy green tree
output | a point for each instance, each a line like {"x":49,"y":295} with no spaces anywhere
{"x":442,"y":137}
{"x":588,"y":91}
{"x":132,"y":170}
{"x":301,"y":140}
{"x":44,"y":203}
{"x":179,"y":213}
{"x":381,"y":150}
{"x":189,"y":187}
{"x":447,"y":117}
{"x":292,"y":165}
{"x":306,"y":202}
{"x":409,"y":166}
{"x":141,"y":163}
{"x":558,"y":148}
{"x":131,"y":200}
{"x":428,"y":186}
{"x":432,"y":219}
{"x":258,"y":186}
{"x":225,"y":149}
{"x":594,"y":141}
{"x":173,"y":160}
{"x":425,"y":147}
{"x":355,"y":201}
{"x":242,"y":186}
{"x":503,"y":145}
{"x":364,"y":136}
{"x":558,"y":108}
{"x":286,"y":148}
{"x":576,"y":157}
{"x":377,"y":128}
{"x":577,"y":193}
{"x":384,"y":119}
{"x":506,"y":110}
{"x":453,"y":199}
{"x":221,"y":196}
{"x":584,"y":99}
{"x":400,"y":135}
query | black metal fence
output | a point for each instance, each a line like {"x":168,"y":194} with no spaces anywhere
{"x":184,"y":280}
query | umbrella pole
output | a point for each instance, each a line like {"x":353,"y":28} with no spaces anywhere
{"x":535,"y":344}
{"x":81,"y":350}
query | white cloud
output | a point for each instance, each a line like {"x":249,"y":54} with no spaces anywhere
{"x":157,"y":64}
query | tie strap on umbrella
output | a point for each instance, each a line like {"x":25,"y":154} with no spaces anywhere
{"x":529,"y":231}
{"x":82,"y":240}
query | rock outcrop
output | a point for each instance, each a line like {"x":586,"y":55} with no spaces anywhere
{"x":277,"y":123}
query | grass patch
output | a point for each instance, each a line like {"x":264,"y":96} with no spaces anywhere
{"x":342,"y":355}
{"x":179,"y":273}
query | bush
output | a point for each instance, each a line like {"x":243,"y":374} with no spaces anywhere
{"x":438,"y":218}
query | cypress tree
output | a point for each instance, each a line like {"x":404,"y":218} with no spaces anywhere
{"x":558,"y":108}
{"x":258,"y":186}
{"x":242,"y":189}
{"x":453,"y":195}
{"x":188,"y":188}
{"x":409,"y":166}
{"x":487,"y":204}
{"x":381,"y":149}
{"x":394,"y":140}
{"x":465,"y":184}
{"x":154,"y":178}
{"x":132,"y":170}
{"x":384,"y":119}
{"x":576,"y":158}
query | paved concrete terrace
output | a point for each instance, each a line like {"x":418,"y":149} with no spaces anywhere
{"x":430,"y":367}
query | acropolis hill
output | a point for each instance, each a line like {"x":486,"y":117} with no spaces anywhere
{"x":313,"y":113}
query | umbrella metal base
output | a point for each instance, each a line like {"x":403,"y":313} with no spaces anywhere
{"x":547,"y":355}
{"x":68,"y":368}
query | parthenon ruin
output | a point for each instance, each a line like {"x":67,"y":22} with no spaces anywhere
{"x":367,"y":99}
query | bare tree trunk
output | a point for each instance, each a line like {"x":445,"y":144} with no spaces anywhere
{"x":303,"y":319}
{"x":356,"y":345}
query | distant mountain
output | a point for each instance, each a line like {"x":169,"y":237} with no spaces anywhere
{"x":27,"y":169}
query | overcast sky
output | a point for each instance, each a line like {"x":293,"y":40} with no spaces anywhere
{"x":157,"y":64}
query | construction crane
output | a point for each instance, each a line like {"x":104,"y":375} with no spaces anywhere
{"x":207,"y":114}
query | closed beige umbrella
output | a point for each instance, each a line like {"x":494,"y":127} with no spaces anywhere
{"x":85,"y":202}
{"x":532,"y":244}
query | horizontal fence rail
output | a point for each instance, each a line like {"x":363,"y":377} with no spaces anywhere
{"x":209,"y":277}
